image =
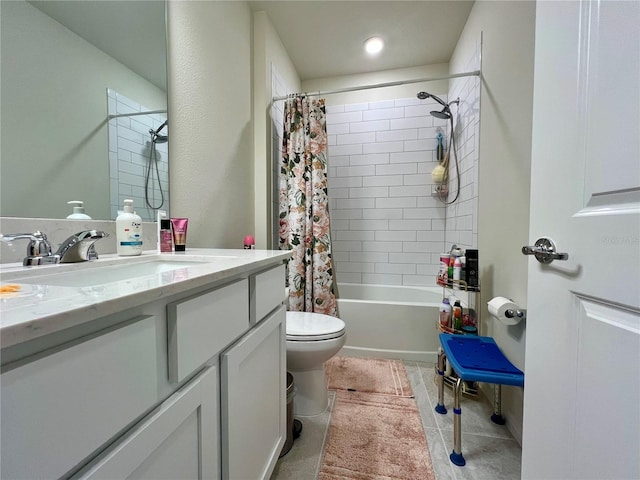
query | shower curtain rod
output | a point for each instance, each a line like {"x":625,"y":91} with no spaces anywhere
{"x":381,"y":85}
{"x":150,"y":112}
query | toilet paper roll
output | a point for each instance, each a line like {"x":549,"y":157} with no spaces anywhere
{"x":498,"y":307}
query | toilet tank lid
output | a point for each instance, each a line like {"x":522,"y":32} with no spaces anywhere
{"x":310,"y":324}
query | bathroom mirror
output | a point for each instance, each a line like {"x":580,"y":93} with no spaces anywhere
{"x":58,"y":60}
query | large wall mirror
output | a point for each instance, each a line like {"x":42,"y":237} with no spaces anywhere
{"x":65,"y":66}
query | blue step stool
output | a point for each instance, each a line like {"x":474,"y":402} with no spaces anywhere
{"x":474,"y":359}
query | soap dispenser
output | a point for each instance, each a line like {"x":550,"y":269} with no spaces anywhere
{"x":128,"y":231}
{"x":78,"y":210}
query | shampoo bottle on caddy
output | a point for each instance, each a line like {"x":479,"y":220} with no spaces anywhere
{"x":128,"y":231}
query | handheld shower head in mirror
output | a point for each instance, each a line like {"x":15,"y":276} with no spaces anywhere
{"x":425,"y":95}
{"x":155,"y":134}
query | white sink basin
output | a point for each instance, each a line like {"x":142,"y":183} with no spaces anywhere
{"x":93,"y":273}
{"x":107,"y":274}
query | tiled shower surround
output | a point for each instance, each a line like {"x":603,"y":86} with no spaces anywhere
{"x":278,"y":89}
{"x":462,"y":217}
{"x":129,"y":156}
{"x":387,"y":227}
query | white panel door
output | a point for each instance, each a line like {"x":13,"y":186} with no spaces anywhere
{"x":582,"y":365}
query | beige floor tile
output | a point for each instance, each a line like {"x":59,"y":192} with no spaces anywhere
{"x":489,"y":449}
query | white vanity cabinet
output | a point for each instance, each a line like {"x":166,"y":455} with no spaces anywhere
{"x":253,"y":399}
{"x":178,"y":441}
{"x":59,"y":408}
{"x":187,"y":387}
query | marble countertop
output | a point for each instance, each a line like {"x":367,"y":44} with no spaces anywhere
{"x":43,"y":303}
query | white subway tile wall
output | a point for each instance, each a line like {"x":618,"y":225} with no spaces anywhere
{"x":386,"y":226}
{"x":278,"y":89}
{"x":132,"y":162}
{"x":462,"y":218}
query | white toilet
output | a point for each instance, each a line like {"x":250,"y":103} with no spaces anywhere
{"x":312,"y":339}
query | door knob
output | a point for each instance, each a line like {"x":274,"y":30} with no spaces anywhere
{"x":545,"y":251}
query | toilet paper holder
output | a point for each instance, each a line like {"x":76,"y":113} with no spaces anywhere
{"x":521,"y":314}
{"x":506,"y":311}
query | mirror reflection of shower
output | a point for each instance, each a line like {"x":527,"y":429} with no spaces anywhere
{"x":441,"y":172}
{"x":156,"y":138}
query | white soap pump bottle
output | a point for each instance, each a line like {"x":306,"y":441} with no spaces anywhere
{"x":128,"y":231}
{"x":78,"y":210}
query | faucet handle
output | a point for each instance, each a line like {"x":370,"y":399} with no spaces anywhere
{"x":91,"y":235}
{"x":38,"y":246}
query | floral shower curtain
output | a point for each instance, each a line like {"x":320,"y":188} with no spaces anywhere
{"x":304,"y":206}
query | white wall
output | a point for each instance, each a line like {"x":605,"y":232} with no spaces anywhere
{"x":54,"y":115}
{"x":210,"y":116}
{"x":385,"y":76}
{"x":270,"y":62}
{"x":507,"y":30}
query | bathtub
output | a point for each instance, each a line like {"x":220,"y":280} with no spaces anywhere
{"x":390,"y":321}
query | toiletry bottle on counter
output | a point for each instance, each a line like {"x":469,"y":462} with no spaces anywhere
{"x":249,"y":243}
{"x":166,"y":237}
{"x":78,"y":211}
{"x":128,"y":231}
{"x":457,"y":316}
{"x":179,"y":228}
{"x":445,"y":313}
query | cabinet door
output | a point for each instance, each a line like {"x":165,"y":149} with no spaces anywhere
{"x":178,"y":440}
{"x":59,"y":409}
{"x":254,"y":401}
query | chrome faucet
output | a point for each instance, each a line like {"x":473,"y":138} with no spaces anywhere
{"x":80,"y":247}
{"x":77,"y":248}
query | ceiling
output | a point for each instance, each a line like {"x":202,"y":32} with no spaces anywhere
{"x":325,"y":38}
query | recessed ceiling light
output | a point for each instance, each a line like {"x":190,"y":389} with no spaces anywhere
{"x":373,"y":45}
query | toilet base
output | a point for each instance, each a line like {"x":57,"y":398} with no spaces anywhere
{"x":312,"y":397}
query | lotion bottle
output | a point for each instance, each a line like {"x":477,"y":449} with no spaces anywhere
{"x":78,"y":210}
{"x":128,"y":231}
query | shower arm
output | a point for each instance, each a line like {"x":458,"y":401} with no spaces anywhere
{"x":156,"y":132}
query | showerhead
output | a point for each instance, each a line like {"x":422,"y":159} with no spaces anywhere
{"x":160,"y":139}
{"x":444,"y":114}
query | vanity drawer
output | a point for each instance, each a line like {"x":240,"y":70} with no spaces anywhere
{"x":202,"y":326}
{"x":269,"y":291}
{"x":60,"y":408}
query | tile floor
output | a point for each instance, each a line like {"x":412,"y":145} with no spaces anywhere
{"x":490,"y":450}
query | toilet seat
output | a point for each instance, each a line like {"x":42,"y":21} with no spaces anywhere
{"x":308,"y":326}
